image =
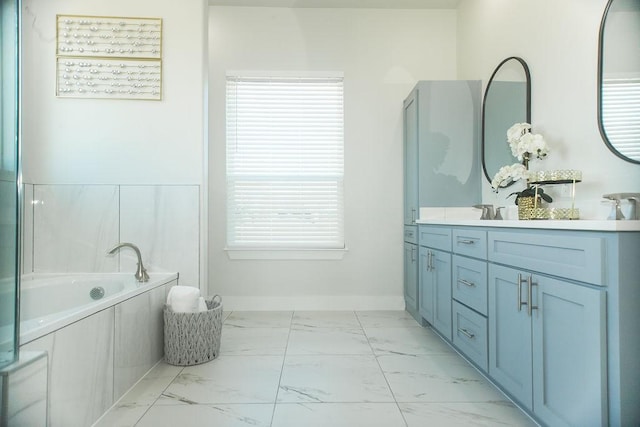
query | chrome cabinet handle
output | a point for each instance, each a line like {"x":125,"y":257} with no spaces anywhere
{"x":413,"y":254}
{"x":429,"y":255}
{"x":466,"y":333}
{"x":466,"y":283}
{"x":467,"y":242}
{"x":530,"y":285}
{"x":413,"y":216}
{"x":520,"y":282}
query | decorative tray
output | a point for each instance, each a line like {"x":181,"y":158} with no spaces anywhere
{"x":564,"y":176}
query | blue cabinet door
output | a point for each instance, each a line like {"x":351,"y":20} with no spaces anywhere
{"x":435,"y":289}
{"x":510,"y":356}
{"x":410,"y":133}
{"x":441,"y":270}
{"x":411,"y":278}
{"x":426,"y":284}
{"x":569,"y":367}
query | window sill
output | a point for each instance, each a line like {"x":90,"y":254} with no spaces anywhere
{"x":286,"y":254}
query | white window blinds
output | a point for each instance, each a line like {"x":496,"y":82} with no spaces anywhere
{"x":621,"y":115}
{"x":285,"y":163}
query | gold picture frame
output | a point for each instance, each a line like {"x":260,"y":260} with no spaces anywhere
{"x":108,"y":57}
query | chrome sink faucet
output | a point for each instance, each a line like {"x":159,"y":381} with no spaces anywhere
{"x":487,"y":211}
{"x":141,"y":273}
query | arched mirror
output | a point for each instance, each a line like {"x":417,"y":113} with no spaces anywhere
{"x":619,"y":78}
{"x":507,"y":100}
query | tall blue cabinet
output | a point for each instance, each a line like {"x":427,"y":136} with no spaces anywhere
{"x":441,"y":138}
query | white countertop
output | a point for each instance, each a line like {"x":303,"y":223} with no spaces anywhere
{"x":580,"y":224}
{"x":470,"y":217}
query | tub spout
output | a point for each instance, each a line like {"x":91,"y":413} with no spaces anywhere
{"x":141,"y":273}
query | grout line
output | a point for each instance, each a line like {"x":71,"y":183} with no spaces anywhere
{"x":284,"y":358}
{"x":395,"y":400}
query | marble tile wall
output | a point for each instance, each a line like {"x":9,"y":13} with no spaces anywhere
{"x":74,"y":226}
{"x":69,"y":228}
{"x":164,"y":221}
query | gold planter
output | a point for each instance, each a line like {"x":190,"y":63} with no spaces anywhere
{"x":527,"y":207}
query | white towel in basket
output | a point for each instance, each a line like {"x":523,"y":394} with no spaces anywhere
{"x":184,"y":299}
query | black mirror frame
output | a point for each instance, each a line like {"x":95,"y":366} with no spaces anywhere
{"x":484,"y":99}
{"x":603,"y":133}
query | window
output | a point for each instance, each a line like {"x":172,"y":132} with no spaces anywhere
{"x":285,"y":163}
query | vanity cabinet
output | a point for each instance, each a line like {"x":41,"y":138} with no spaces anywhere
{"x":550,"y":315}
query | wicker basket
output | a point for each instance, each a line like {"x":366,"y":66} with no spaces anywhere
{"x":193,"y":338}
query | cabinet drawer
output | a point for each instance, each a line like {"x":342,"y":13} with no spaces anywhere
{"x":470,"y":282}
{"x":411,"y":234}
{"x":470,"y":334}
{"x":435,"y":237}
{"x":576,"y":256}
{"x":471,"y":243}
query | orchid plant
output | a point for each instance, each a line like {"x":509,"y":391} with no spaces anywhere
{"x":524,"y":146}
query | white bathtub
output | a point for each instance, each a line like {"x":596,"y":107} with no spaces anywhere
{"x":49,"y":302}
{"x":97,"y":349}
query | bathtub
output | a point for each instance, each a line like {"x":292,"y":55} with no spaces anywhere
{"x":97,"y":348}
{"x":49,"y":302}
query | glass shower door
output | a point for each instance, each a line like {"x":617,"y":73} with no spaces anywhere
{"x":9,"y":182}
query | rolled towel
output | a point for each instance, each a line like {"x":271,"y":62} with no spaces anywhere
{"x":202,"y":305}
{"x":183,"y":299}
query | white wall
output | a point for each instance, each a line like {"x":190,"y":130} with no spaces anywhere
{"x":84,"y":141}
{"x":382,"y":54}
{"x":559,"y":42}
{"x":156,"y":147}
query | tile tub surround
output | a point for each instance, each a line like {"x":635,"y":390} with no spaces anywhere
{"x":69,"y":228}
{"x":94,"y":360}
{"x":376,"y":368}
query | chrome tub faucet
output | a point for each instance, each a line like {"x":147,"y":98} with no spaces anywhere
{"x":141,"y":273}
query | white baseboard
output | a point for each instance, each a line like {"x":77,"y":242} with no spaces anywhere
{"x":312,"y":303}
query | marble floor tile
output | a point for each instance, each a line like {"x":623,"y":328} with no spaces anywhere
{"x":259,"y":319}
{"x":125,"y":415}
{"x":238,"y":415}
{"x":327,"y":341}
{"x":483,"y":414}
{"x":409,"y":341}
{"x":253,"y":341}
{"x":386,"y":319}
{"x":332,"y":379}
{"x":337,"y":415}
{"x":436,"y":378}
{"x":151,"y":386}
{"x":325,"y":319}
{"x":228,"y":379}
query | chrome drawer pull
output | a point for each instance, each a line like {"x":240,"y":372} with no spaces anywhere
{"x":532,"y":307}
{"x":466,"y":333}
{"x":467,"y":242}
{"x":467,"y":283}
{"x":520,"y":282}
